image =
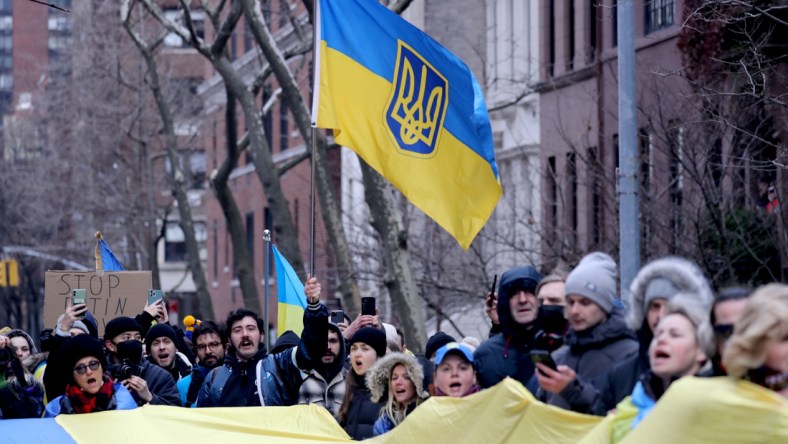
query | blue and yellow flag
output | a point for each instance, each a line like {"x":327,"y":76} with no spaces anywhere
{"x":410,"y":108}
{"x":105,"y":259}
{"x":291,"y":296}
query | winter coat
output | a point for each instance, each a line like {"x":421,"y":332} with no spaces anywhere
{"x":378,"y":375}
{"x":362,"y":414}
{"x":270,"y":380}
{"x":122,"y":399}
{"x":591,"y":354}
{"x":683,"y":274}
{"x":621,"y":380}
{"x":160,"y":384}
{"x":189,"y":386}
{"x":317,"y":390}
{"x":507,"y":353}
{"x":20,"y":400}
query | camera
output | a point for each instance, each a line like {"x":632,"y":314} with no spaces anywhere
{"x":6,"y":356}
{"x":126,"y":370}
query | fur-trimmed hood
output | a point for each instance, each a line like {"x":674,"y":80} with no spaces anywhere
{"x":378,"y":375}
{"x":682,"y":273}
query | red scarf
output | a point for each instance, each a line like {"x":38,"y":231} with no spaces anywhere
{"x":87,"y":403}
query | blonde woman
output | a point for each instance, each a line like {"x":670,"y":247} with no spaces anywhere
{"x":758,"y":349}
{"x":395,"y":380}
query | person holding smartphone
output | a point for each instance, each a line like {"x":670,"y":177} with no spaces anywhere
{"x":597,"y":339}
{"x":507,"y":353}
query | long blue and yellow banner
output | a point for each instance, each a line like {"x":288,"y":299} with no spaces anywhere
{"x":696,"y":410}
{"x":410,"y":108}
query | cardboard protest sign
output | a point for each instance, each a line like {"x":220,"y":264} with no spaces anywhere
{"x":109,"y":294}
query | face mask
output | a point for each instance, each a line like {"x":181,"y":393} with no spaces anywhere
{"x":551,"y":319}
{"x":131,"y":350}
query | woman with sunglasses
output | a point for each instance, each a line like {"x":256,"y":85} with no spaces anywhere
{"x":89,"y":389}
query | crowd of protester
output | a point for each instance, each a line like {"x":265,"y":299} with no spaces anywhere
{"x":568,"y":338}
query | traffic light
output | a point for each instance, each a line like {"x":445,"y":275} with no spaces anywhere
{"x":9,"y":273}
{"x":13,"y":273}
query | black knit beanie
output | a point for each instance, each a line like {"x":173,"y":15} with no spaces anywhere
{"x":156,"y":332}
{"x":120,"y":325}
{"x":371,"y":336}
{"x":435,"y":342}
{"x":82,"y":346}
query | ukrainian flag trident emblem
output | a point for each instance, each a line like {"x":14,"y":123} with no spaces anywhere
{"x":417,"y":105}
{"x":410,"y":108}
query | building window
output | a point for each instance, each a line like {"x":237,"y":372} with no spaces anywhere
{"x":592,"y":26}
{"x":284,"y":12}
{"x":596,"y":195}
{"x":173,"y":40}
{"x":551,"y":38}
{"x":215,"y":251}
{"x":250,"y":238}
{"x":659,"y":14}
{"x":552,"y":197}
{"x":268,"y":121}
{"x":175,"y":241}
{"x":615,"y":23}
{"x":676,"y":186}
{"x":571,"y":177}
{"x":284,"y":127}
{"x":570,"y":26}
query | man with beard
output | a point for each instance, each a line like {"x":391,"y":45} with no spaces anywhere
{"x":325,"y":384}
{"x":252,"y":377}
{"x":147,"y":383}
{"x":209,"y":341}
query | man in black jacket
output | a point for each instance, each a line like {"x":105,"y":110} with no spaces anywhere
{"x":507,"y":353}
{"x":252,"y":377}
{"x":148,"y":383}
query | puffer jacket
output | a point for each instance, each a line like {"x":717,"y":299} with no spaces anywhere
{"x":591,"y":353}
{"x":362,"y":413}
{"x":270,"y":380}
{"x":507,"y":353}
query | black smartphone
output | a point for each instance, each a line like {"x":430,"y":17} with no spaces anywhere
{"x":79,"y":296}
{"x":492,"y":291}
{"x":337,"y":316}
{"x":543,"y":356}
{"x":368,"y":306}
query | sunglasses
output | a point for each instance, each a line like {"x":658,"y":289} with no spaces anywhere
{"x":723,"y":331}
{"x":82,"y":368}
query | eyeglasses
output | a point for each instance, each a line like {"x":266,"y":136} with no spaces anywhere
{"x":723,"y":332}
{"x":211,"y":345}
{"x":82,"y":368}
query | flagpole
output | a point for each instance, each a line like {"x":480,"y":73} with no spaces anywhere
{"x":312,"y":205}
{"x":267,"y":290}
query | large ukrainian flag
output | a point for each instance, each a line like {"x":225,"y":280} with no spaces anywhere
{"x":410,"y":108}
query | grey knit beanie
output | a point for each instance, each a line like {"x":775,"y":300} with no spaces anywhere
{"x":659,"y":288}
{"x":595,"y":278}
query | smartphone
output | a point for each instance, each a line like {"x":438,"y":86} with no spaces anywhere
{"x":155,"y":296}
{"x":492,"y":291}
{"x":543,"y":356}
{"x":368,"y":306}
{"x":79,"y":296}
{"x":337,"y":316}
